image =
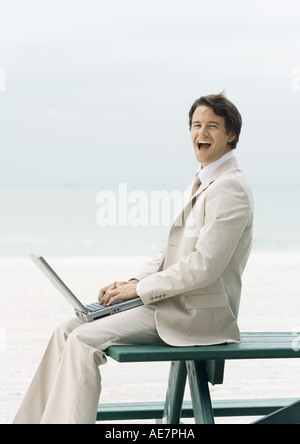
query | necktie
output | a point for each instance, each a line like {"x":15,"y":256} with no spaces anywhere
{"x":196,"y":185}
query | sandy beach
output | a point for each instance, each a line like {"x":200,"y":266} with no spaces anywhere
{"x":31,"y":309}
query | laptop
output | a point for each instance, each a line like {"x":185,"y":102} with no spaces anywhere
{"x":87,"y":313}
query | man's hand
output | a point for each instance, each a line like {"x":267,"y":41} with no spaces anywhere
{"x":124,"y":291}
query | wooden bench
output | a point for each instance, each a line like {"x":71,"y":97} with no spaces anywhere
{"x":201,"y":365}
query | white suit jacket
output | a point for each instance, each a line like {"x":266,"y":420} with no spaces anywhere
{"x":195,"y":280}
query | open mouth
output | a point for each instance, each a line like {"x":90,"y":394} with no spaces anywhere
{"x":203,"y":145}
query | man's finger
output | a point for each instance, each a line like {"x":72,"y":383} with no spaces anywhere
{"x":111,"y":294}
{"x":104,"y":290}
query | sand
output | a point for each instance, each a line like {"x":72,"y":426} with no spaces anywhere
{"x":31,"y":309}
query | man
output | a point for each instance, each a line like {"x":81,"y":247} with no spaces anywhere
{"x":191,"y":289}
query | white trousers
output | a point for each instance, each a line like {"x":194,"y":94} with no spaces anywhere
{"x":67,"y":385}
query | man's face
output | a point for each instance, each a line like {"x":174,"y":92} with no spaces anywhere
{"x":209,"y":136}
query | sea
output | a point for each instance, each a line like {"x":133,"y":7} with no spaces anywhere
{"x":67,"y":221}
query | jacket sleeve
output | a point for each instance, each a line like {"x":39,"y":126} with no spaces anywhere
{"x":227,"y":214}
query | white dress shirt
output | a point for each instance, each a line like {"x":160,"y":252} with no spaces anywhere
{"x":204,"y":173}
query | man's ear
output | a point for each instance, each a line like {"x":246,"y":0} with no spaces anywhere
{"x":232,"y":136}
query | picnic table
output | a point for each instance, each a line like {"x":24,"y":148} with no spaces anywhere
{"x":201,"y":366}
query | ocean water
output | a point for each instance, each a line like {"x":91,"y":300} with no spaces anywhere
{"x":74,"y":221}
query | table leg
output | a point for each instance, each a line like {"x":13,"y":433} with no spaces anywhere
{"x":201,"y":400}
{"x":175,"y":393}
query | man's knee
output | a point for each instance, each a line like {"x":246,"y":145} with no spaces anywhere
{"x":82,"y":342}
{"x":64,"y":330}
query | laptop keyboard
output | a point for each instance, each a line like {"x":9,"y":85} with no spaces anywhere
{"x":96,"y":306}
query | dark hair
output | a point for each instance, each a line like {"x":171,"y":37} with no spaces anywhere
{"x":224,"y":108}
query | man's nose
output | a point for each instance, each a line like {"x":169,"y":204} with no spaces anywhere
{"x":203,"y":131}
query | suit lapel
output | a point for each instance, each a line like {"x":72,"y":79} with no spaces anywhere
{"x":187,"y":198}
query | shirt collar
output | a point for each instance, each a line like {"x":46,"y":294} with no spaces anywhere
{"x":206,"y":172}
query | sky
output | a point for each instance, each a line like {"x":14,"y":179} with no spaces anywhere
{"x":97,"y":93}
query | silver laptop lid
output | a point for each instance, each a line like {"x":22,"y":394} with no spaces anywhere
{"x":58,"y":283}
